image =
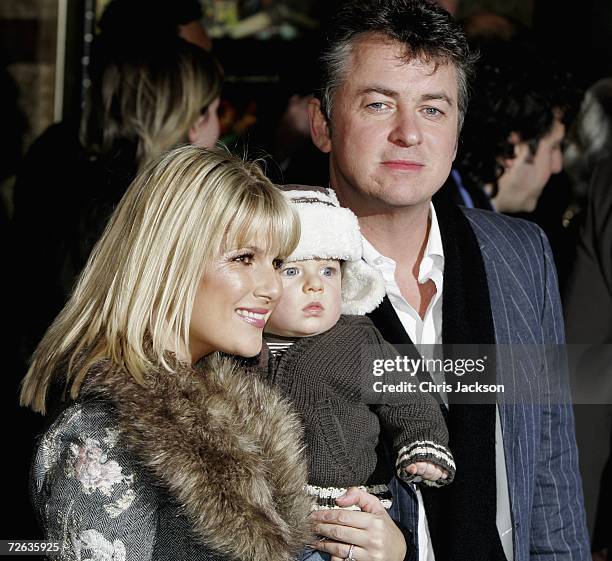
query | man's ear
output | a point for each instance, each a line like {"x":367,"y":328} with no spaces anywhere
{"x":319,"y":127}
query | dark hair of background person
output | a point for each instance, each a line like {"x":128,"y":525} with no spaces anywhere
{"x":437,"y":37}
{"x":517,"y":89}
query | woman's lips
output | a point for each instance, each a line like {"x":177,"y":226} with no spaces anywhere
{"x":314,"y":309}
{"x":403,"y":165}
{"x":253,"y":316}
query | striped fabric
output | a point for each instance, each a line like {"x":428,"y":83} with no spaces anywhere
{"x":424,"y":449}
{"x":326,"y":496}
{"x":541,"y":456}
{"x":277,"y":349}
{"x":539,"y":441}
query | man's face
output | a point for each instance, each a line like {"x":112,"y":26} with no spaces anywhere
{"x":393,"y":132}
{"x":526,"y":175}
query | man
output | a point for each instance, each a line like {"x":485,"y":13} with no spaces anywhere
{"x":511,"y":140}
{"x":390,"y":110}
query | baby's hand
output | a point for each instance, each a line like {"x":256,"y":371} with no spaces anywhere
{"x":426,"y":470}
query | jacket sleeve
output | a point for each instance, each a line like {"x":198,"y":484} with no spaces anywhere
{"x":558,"y":529}
{"x":88,"y":494}
{"x":414,"y":422}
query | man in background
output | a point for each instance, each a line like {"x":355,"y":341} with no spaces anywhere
{"x":512,"y":138}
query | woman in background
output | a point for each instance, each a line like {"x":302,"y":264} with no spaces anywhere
{"x":145,"y":98}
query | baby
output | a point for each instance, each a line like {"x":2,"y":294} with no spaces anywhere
{"x":320,"y":344}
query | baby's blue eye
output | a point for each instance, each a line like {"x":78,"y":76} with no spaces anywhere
{"x":290,"y":272}
{"x":328,"y":271}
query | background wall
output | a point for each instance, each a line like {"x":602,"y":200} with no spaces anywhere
{"x":521,"y":10}
{"x":28,"y":36}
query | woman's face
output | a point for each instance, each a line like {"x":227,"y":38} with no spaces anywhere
{"x":204,"y":133}
{"x":233,"y":302}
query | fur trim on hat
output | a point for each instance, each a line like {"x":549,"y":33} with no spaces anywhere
{"x":329,"y":231}
{"x":363,"y":288}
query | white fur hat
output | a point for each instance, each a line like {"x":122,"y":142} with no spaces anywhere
{"x":330,"y":231}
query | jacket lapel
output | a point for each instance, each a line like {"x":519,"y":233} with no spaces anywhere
{"x":462,"y":516}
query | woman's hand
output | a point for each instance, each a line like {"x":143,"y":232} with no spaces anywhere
{"x":371,"y":532}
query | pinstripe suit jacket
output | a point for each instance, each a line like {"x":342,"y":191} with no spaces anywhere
{"x":539,"y":443}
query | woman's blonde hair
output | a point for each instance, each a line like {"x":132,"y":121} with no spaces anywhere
{"x":145,"y":99}
{"x":138,"y":287}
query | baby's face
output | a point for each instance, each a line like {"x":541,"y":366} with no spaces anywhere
{"x":311,"y":300}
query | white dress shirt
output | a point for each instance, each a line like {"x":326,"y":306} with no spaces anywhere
{"x":428,"y":331}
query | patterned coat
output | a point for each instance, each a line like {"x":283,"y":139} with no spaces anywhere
{"x":202,"y":465}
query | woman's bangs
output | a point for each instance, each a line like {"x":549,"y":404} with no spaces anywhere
{"x":262,"y":222}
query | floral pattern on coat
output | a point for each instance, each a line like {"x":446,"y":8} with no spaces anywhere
{"x":100,"y":549}
{"x":90,"y":465}
{"x":94,"y":489}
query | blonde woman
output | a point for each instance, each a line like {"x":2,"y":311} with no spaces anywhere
{"x":165,"y":449}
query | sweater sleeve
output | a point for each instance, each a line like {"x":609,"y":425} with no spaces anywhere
{"x":414,"y":423}
{"x":89,"y":495}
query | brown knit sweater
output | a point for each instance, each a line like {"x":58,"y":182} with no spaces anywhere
{"x":327,"y":377}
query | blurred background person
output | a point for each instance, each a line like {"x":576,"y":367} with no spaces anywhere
{"x":144,"y":99}
{"x":588,"y":299}
{"x":512,"y":138}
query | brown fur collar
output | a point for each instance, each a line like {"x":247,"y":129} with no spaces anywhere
{"x":226,"y":447}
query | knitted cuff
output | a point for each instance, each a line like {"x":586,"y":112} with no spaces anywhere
{"x":425,"y":451}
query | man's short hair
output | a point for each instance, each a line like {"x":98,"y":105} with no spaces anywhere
{"x":517,"y":89}
{"x":427,"y":31}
